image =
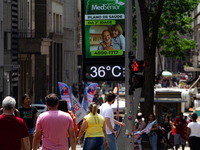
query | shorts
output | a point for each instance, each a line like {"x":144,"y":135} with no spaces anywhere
{"x":178,"y":140}
{"x":31,"y":130}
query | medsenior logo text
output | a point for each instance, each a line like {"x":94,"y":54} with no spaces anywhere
{"x":106,"y":7}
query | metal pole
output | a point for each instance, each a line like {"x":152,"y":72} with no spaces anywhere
{"x":129,"y":142}
{"x":139,"y":53}
{"x":117,"y":126}
{"x":132,"y":101}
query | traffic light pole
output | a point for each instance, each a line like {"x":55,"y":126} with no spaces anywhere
{"x":129,"y":116}
{"x":132,"y":100}
{"x":139,"y":53}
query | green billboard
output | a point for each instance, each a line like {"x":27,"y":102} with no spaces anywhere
{"x":104,"y":28}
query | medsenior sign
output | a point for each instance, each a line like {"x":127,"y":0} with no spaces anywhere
{"x":104,"y":28}
{"x":103,"y":40}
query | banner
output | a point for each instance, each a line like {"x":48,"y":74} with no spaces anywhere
{"x":148,"y":127}
{"x":78,"y":111}
{"x":89,"y":95}
{"x":65,"y":93}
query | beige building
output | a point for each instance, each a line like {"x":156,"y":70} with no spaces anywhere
{"x":47,"y":46}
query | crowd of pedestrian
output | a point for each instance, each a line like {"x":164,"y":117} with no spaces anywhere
{"x":180,"y":80}
{"x":169,"y":134}
{"x":57,"y":128}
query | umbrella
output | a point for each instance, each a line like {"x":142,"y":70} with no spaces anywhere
{"x":166,"y":73}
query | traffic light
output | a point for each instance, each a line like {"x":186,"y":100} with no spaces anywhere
{"x":136,"y":66}
{"x":136,"y":80}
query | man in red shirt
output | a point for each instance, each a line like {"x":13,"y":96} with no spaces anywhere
{"x":180,"y":125}
{"x":13,"y":129}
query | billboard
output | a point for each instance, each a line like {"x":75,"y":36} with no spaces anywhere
{"x":104,"y":28}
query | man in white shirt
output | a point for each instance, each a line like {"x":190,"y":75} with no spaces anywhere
{"x":107,"y":112}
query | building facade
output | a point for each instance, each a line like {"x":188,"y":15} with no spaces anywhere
{"x":195,"y":59}
{"x":11,"y":66}
{"x":47,"y":46}
{"x":1,"y":50}
{"x":194,"y":55}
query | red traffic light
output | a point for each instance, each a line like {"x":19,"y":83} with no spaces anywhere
{"x":137,"y":66}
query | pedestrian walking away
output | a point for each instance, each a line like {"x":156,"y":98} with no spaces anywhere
{"x":107,"y":112}
{"x":94,"y":128}
{"x":13,"y":129}
{"x":63,"y":106}
{"x":193,"y":131}
{"x":54,"y":126}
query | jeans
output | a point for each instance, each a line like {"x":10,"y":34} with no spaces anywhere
{"x":153,"y":141}
{"x":31,"y":130}
{"x":93,"y":143}
{"x":111,"y":142}
{"x":69,"y":143}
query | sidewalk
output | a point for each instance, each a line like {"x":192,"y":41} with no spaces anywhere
{"x":78,"y":147}
{"x":146,"y":146}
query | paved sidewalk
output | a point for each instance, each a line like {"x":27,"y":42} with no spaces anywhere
{"x":78,"y":147}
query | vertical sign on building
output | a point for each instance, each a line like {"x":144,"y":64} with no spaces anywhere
{"x":103,"y":39}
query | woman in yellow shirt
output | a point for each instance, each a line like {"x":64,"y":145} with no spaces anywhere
{"x":94,"y":128}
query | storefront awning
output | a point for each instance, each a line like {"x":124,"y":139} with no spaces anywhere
{"x":166,"y":100}
{"x":191,"y":69}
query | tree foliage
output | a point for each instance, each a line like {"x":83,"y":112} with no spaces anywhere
{"x":176,"y":23}
{"x":175,"y":26}
{"x":166,"y":25}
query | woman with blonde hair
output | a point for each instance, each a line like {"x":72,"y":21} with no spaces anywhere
{"x":115,"y":38}
{"x":94,"y":128}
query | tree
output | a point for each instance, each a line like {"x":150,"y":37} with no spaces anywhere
{"x":164,"y":23}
